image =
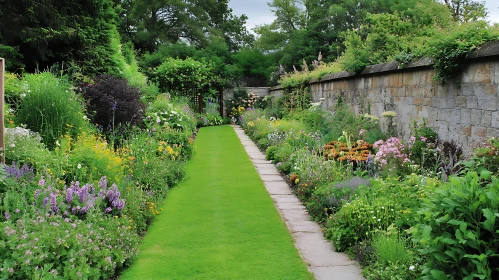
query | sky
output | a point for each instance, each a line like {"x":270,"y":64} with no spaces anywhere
{"x":258,"y":11}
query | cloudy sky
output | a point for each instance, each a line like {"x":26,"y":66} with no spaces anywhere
{"x":258,"y":11}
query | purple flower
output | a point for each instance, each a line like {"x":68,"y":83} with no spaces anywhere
{"x":103,"y":182}
{"x":121,"y":204}
{"x":53,"y":203}
{"x":69,"y":195}
{"x":41,"y":182}
{"x":7,"y":215}
{"x":108,"y":209}
{"x":114,"y":106}
{"x":37,"y":193}
{"x":45,"y":201}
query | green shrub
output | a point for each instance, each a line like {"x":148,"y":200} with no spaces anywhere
{"x":184,"y":77}
{"x":164,"y":112}
{"x":25,"y":147}
{"x":451,"y":47}
{"x":391,"y":249}
{"x":458,"y":231}
{"x":359,"y":220}
{"x":51,"y":108}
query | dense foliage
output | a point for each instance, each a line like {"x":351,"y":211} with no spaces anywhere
{"x":112,"y":103}
{"x":78,"y":209}
{"x":403,"y":209}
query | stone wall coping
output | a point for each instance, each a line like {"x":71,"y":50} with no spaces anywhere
{"x":487,"y":50}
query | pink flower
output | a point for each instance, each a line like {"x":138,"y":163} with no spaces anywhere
{"x":413,"y":139}
{"x":362,"y":131}
{"x":423,"y":139}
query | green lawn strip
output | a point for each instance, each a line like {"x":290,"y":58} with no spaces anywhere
{"x":219,"y":223}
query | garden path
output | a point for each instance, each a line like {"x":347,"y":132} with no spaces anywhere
{"x":219,"y":223}
{"x":323,"y":261}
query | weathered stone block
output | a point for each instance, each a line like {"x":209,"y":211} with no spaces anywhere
{"x":466,"y":130}
{"x":492,"y":132}
{"x":448,"y":103}
{"x":479,"y":131}
{"x":485,"y":90}
{"x":487,"y":104}
{"x":442,"y":128}
{"x":466,"y":116}
{"x":476,"y":117}
{"x":467,"y":90}
{"x":495,"y":119}
{"x":418,"y":101}
{"x":427,"y":102}
{"x":471,"y":102}
{"x":478,"y":73}
{"x":461,"y":101}
{"x":486,"y":119}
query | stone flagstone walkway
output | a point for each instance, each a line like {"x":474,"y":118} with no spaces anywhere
{"x":317,"y":252}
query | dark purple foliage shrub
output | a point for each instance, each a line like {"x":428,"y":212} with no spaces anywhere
{"x":112,"y":102}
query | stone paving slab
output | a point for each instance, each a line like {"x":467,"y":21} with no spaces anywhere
{"x":285,"y":199}
{"x":277,"y":187}
{"x":272,"y":178}
{"x":316,"y":251}
{"x":264,"y":171}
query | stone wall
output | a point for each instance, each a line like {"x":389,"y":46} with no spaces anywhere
{"x":465,"y":109}
{"x":260,"y":91}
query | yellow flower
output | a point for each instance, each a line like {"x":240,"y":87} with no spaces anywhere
{"x":169,"y":150}
{"x":389,"y":114}
{"x":297,"y":180}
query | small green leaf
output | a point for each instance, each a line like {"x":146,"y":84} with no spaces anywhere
{"x":490,"y":221}
{"x":485,"y":174}
{"x":438,"y":274}
{"x":426,"y":232}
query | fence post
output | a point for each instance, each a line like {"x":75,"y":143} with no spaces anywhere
{"x":221,"y":101}
{"x":200,"y":103}
{"x":2,"y":125}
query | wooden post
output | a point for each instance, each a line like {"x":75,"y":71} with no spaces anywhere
{"x":200,"y":103}
{"x":221,"y":101}
{"x":2,"y":125}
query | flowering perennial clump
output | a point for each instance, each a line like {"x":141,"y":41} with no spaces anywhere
{"x":338,"y":150}
{"x":79,"y":200}
{"x":390,"y":149}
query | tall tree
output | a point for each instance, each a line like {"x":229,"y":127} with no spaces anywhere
{"x":466,"y":10}
{"x":152,"y":23}
{"x":50,"y":31}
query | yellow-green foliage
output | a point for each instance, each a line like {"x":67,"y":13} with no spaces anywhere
{"x":294,"y":79}
{"x":89,"y":157}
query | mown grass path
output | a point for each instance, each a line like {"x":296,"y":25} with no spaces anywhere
{"x":219,"y":223}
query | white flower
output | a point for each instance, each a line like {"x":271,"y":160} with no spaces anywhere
{"x":411,"y":268}
{"x":79,"y":166}
{"x":57,"y":143}
{"x":12,"y":145}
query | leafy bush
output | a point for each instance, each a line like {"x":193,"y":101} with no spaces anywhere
{"x":51,"y":108}
{"x":25,"y":146}
{"x":112,"y":102}
{"x":209,"y":119}
{"x":88,"y":158}
{"x":70,"y":233}
{"x":458,"y":231}
{"x":164,"y":113}
{"x":450,"y":48}
{"x":181,"y":77}
{"x":241,"y":102}
{"x":359,"y":220}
